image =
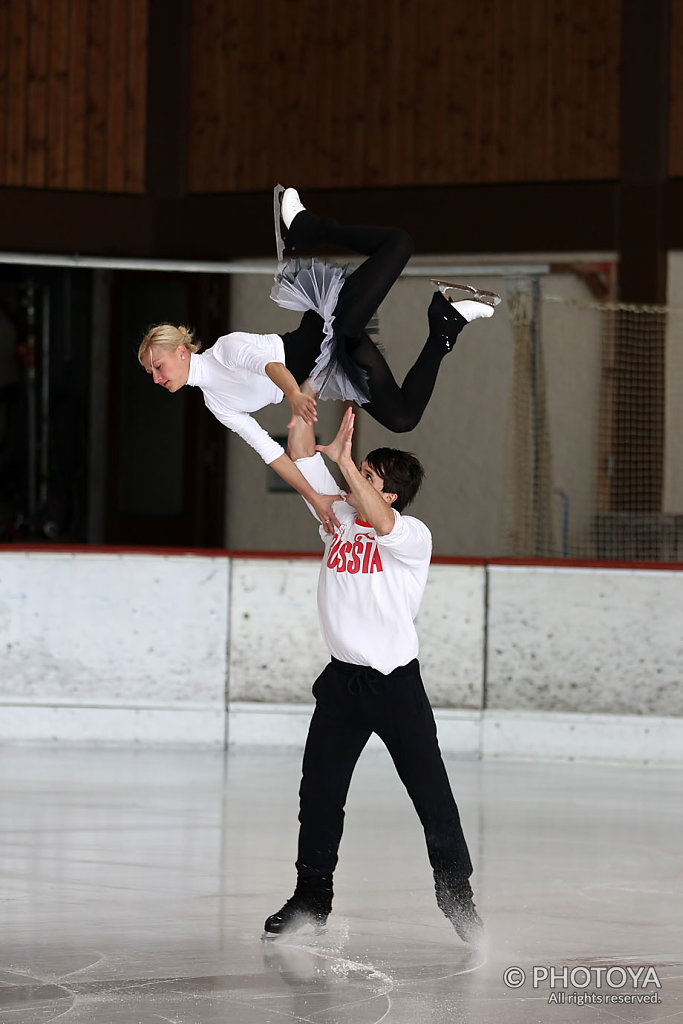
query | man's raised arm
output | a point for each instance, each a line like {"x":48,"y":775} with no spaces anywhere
{"x":373,"y":506}
{"x":301,"y":435}
{"x":301,"y":446}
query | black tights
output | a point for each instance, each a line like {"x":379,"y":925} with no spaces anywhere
{"x":388,"y":250}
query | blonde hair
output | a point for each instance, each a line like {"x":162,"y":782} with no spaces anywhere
{"x":167,"y":336}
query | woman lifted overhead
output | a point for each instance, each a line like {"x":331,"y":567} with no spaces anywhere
{"x":329,"y":355}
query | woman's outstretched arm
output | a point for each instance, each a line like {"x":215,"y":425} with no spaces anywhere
{"x":321,"y":503}
{"x":302,"y":405}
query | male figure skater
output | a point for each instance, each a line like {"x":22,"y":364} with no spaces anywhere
{"x":372,"y":578}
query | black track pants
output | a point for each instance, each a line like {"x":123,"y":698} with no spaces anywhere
{"x":352,"y":703}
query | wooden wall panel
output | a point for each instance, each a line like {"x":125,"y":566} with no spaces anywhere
{"x":17,"y":73}
{"x":136,"y":96}
{"x":96,"y":140}
{"x":202,"y":139}
{"x":36,"y":156}
{"x":77,"y":96}
{"x":4,"y":77}
{"x":58,"y":91}
{"x":402,"y":92}
{"x":676,"y":109}
{"x":117,"y":46}
{"x":73,"y":94}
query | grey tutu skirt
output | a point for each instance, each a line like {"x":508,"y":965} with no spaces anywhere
{"x":315,"y":285}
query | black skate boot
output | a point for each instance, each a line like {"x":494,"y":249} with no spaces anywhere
{"x":306,"y":233}
{"x":445,"y":322}
{"x":456,"y":899}
{"x":310,"y":904}
{"x":447,"y":318}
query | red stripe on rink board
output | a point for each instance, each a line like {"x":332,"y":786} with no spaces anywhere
{"x":277,"y":554}
{"x":532,"y":563}
{"x":111,"y":549}
{"x":567,"y":563}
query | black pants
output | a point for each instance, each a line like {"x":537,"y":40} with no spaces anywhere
{"x":351,"y":704}
{"x":388,"y":250}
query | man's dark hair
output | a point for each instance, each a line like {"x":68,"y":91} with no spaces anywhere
{"x":401,"y":473}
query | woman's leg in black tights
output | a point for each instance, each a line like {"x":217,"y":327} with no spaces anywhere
{"x":366,"y":288}
{"x":388,"y":250}
{"x":302,"y":345}
{"x":400,"y":408}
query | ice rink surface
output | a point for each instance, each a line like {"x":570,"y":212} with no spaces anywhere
{"x":135,"y":885}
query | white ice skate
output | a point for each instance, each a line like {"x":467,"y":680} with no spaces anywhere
{"x":286,"y":205}
{"x":277,"y":217}
{"x":290,"y":206}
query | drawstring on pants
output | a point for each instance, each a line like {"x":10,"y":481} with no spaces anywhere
{"x":363,"y":678}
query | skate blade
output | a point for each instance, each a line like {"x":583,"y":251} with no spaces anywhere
{"x":279,"y":241}
{"x":302,"y":931}
{"x":478,"y":294}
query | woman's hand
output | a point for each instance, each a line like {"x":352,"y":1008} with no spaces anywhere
{"x":301,"y":401}
{"x":304,"y":407}
{"x":323,"y":509}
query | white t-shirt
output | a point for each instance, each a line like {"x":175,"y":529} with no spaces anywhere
{"x":370,"y":587}
{"x":232,"y":376}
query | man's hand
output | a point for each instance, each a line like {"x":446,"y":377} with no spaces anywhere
{"x":372,"y":505}
{"x":339,"y":450}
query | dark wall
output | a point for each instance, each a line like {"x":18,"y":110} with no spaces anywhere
{"x":158,"y":128}
{"x":45,"y":328}
{"x":374,"y":93}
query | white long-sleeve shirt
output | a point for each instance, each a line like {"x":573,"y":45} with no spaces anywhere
{"x":232,"y":376}
{"x":370,"y":587}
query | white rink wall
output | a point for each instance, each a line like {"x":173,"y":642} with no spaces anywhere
{"x":110,"y":647}
{"x":519,"y":661}
{"x":276,"y":651}
{"x":607,"y":641}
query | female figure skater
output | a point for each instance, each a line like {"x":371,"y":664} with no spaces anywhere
{"x":330,"y":351}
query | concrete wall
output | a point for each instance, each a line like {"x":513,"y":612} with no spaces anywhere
{"x":585,"y":640}
{"x":673,"y":464}
{"x":519,"y":660}
{"x":113,"y":646}
{"x":276,"y":652}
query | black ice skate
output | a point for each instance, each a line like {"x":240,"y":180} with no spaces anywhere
{"x":310,"y":904}
{"x":456,"y":900}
